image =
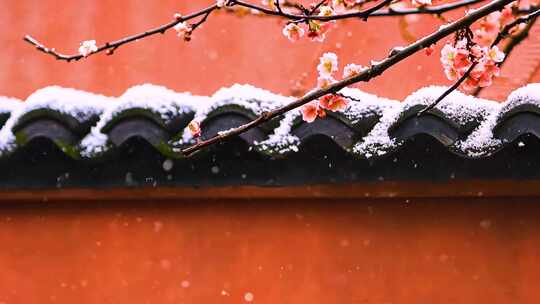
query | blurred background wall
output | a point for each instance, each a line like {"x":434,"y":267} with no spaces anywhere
{"x":226,"y":50}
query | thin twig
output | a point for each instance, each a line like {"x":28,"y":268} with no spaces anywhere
{"x":115,"y":44}
{"x":506,"y":30}
{"x":500,"y":36}
{"x":362,"y":14}
{"x":316,"y":7}
{"x":348,"y":97}
{"x":203,"y":20}
{"x":110,"y":47}
{"x":374,"y":11}
{"x":278,"y":6}
{"x":373,"y":71}
{"x":430,"y":10}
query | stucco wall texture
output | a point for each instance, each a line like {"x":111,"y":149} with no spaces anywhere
{"x":271,"y":251}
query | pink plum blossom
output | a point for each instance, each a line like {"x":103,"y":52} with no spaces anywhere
{"x":333,"y":102}
{"x":293,"y":32}
{"x":312,"y":110}
{"x":496,"y":55}
{"x":456,"y":60}
{"x":183,"y":29}
{"x":328,"y":64}
{"x":88,"y":47}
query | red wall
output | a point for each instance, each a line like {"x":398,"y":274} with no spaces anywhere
{"x":226,"y":50}
{"x":295,"y":251}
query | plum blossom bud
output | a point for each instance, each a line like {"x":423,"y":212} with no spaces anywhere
{"x":88,"y":47}
{"x":293,"y":32}
{"x":183,"y":30}
{"x":429,"y":50}
{"x":221,"y":3}
{"x":352,"y":69}
{"x":194,"y":128}
{"x":328,"y":64}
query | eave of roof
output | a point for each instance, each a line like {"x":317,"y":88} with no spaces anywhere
{"x":67,"y":138}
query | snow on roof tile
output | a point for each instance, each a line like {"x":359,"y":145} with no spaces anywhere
{"x":370,"y":121}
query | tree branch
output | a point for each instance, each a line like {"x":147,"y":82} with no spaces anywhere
{"x":500,"y":36}
{"x":374,"y":11}
{"x":375,"y":70}
{"x":360,"y":14}
{"x":435,"y":10}
{"x":115,"y":44}
{"x":510,"y":46}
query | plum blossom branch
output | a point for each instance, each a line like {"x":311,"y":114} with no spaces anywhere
{"x":431,"y":10}
{"x":390,"y":12}
{"x":304,"y":17}
{"x":505,"y":32}
{"x":110,"y":47}
{"x":374,"y":11}
{"x":523,"y":19}
{"x":513,"y":41}
{"x":374,"y":70}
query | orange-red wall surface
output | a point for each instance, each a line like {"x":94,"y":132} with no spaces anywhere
{"x":275,"y":251}
{"x":226,"y":50}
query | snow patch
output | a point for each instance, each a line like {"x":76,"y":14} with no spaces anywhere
{"x":529,"y":94}
{"x":458,"y":107}
{"x":80,"y":105}
{"x":160,"y":100}
{"x":245,"y":96}
{"x":282,"y":141}
{"x":9,"y":105}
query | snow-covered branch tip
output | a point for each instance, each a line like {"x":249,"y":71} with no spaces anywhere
{"x":317,"y":20}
